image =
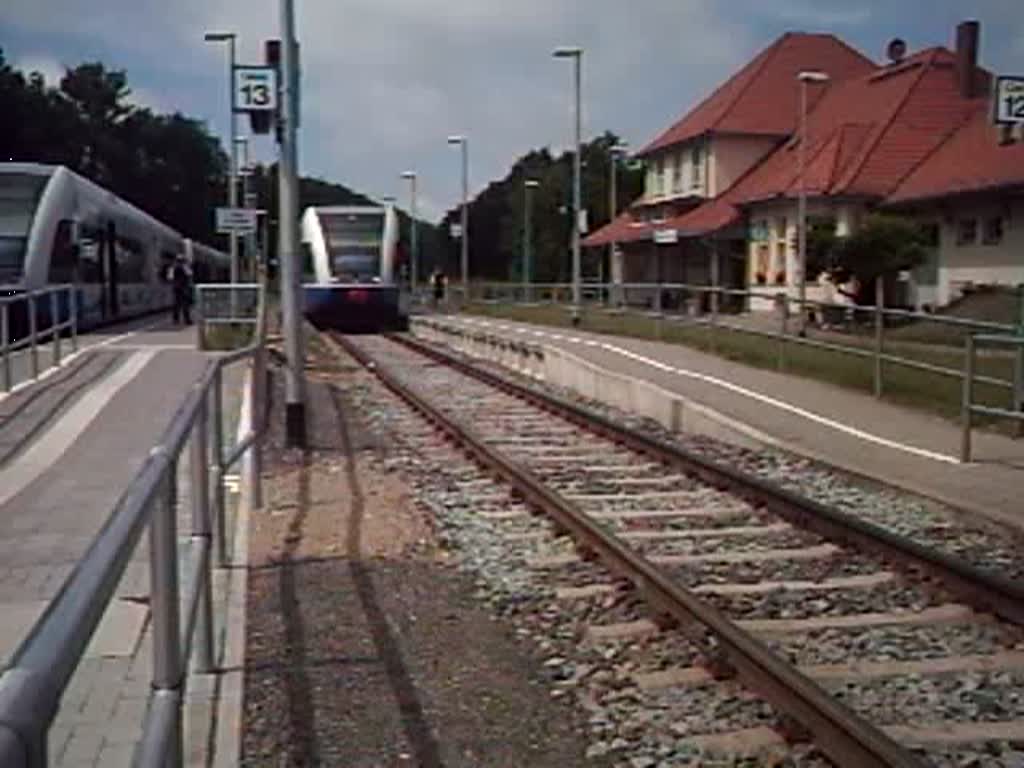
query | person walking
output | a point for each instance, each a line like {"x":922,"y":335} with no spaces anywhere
{"x":181,"y":284}
{"x":438,"y":281}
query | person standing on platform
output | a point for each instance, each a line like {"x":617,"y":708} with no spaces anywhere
{"x":181,"y":284}
{"x":438,"y":282}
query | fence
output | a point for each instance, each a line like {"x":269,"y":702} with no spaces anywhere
{"x":41,"y":668}
{"x":864,"y":332}
{"x":970,"y":408}
{"x":20,"y":318}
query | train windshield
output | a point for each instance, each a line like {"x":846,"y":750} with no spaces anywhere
{"x":353,"y":244}
{"x":19,"y":196}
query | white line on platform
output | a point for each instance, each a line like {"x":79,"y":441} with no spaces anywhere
{"x":739,"y":390}
{"x":44,"y":452}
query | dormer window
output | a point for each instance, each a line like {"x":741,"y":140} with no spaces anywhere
{"x":696,"y":161}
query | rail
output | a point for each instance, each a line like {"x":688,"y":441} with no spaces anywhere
{"x":22,"y":331}
{"x":719,"y":307}
{"x":32,"y":684}
{"x":970,"y":408}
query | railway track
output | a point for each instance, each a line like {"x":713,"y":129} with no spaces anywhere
{"x":750,"y":587}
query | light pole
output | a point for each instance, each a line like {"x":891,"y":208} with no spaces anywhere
{"x":805,"y":77}
{"x":464,"y":143}
{"x":528,"y":186}
{"x":229,"y":38}
{"x":576,"y":54}
{"x":244,"y":171}
{"x":288,"y":235}
{"x":413,"y":233}
{"x":613,"y":204}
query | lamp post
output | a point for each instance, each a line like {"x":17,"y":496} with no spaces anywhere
{"x":613,"y":204}
{"x":464,"y":143}
{"x":528,"y":186}
{"x":229,"y":38}
{"x":413,"y":231}
{"x":576,"y":54}
{"x":244,"y":171}
{"x":805,"y":77}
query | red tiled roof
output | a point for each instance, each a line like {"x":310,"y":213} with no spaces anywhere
{"x":762,"y":97}
{"x":624,"y":229}
{"x":972,"y":160}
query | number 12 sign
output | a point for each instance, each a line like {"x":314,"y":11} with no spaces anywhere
{"x":255,"y":89}
{"x":1009,"y":106}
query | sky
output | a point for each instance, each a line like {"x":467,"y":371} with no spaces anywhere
{"x":384,"y":82}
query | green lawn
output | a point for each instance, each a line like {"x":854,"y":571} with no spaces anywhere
{"x":919,"y":389}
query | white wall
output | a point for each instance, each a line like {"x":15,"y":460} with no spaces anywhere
{"x":732,"y":156}
{"x":1001,"y":263}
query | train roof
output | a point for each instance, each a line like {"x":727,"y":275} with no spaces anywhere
{"x":343,"y":209}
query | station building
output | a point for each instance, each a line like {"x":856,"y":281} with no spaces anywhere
{"x":912,"y":135}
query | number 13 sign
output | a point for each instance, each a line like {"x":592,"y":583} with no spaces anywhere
{"x":1009,"y":106}
{"x":255,"y":89}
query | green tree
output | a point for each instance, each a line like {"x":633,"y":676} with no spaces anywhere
{"x":883,"y":245}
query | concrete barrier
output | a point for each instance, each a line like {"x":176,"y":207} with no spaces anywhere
{"x":559,"y":367}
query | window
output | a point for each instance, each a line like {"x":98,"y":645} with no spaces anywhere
{"x":19,"y":195}
{"x":695,"y":166}
{"x":659,"y":177}
{"x":680,"y":174}
{"x":131,"y":260}
{"x":63,"y":259}
{"x":993,"y":234}
{"x":966,"y":231}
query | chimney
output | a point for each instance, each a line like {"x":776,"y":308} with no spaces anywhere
{"x":967,"y":58}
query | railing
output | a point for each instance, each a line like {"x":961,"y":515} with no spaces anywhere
{"x":225,"y":307}
{"x":19,"y":328}
{"x":723,"y":308}
{"x":970,"y":408}
{"x":40,"y":669}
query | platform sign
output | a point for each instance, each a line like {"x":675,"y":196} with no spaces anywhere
{"x":1009,"y":100}
{"x":255,"y":89}
{"x":455,"y":231}
{"x":666,"y":236}
{"x":239,"y":220}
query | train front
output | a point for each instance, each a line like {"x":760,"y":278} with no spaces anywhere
{"x":352,"y":253}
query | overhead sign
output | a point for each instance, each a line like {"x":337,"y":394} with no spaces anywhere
{"x":666,"y":236}
{"x":455,"y":230}
{"x":583,"y":221}
{"x":238,"y":220}
{"x":255,"y":89}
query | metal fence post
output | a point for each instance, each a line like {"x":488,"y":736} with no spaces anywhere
{"x":1018,"y":384}
{"x":5,"y":341}
{"x":33,"y":341}
{"x":879,"y":324}
{"x":968,"y":396}
{"x":201,"y":535}
{"x":168,"y":667}
{"x":200,"y":324}
{"x":73,"y":314}
{"x":54,"y":329}
{"x":217,"y":468}
{"x":782,"y":301}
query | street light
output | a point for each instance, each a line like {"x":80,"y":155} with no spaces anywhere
{"x":229,"y":38}
{"x":528,"y":184}
{"x":464,"y":143}
{"x":576,"y":54}
{"x":413,"y":233}
{"x":805,"y":77}
{"x":613,"y":204}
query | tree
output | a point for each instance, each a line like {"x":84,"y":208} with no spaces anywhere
{"x":883,"y":245}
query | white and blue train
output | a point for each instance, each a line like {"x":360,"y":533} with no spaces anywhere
{"x":57,"y":227}
{"x":353,"y":256}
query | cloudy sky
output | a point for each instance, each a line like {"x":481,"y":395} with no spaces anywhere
{"x":385,"y":81}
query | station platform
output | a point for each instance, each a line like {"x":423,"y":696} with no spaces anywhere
{"x":854,"y":432}
{"x":70,"y":445}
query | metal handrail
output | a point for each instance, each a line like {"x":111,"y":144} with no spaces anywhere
{"x":786,"y":333}
{"x":36,"y":335}
{"x":969,"y":408}
{"x":32,"y":684}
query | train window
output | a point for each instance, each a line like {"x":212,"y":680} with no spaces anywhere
{"x":63,"y":260}
{"x":131,"y":261}
{"x":90,"y":252}
{"x":307,"y":260}
{"x":19,"y":195}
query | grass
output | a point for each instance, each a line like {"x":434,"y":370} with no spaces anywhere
{"x":922,"y":390}
{"x":224,"y":337}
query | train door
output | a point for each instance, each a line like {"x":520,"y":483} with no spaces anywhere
{"x":111,"y":304}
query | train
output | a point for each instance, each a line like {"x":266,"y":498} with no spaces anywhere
{"x":57,"y":227}
{"x":352,"y":255}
